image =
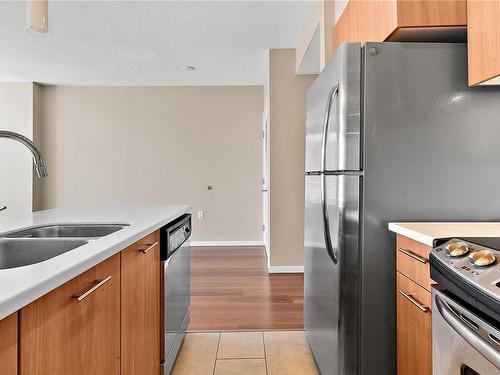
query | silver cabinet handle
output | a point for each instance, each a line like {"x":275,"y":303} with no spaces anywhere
{"x":411,"y":254}
{"x":3,"y":208}
{"x":410,"y":298}
{"x":326,"y":220}
{"x":488,"y":351}
{"x":97,"y":284}
{"x":148,"y":247}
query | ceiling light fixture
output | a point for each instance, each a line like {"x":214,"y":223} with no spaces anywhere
{"x":189,"y":68}
{"x":38,"y":16}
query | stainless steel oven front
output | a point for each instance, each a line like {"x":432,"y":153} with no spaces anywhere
{"x":464,"y":341}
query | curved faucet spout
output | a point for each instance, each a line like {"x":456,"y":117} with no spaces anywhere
{"x":41,"y":171}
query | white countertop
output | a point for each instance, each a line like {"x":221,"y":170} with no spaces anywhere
{"x":22,"y":285}
{"x":426,"y":232}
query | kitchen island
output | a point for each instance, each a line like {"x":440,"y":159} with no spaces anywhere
{"x":94,"y":309}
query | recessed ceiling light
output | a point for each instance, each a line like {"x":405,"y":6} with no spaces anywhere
{"x":188,"y":67}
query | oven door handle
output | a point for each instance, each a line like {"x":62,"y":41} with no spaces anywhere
{"x":487,"y":350}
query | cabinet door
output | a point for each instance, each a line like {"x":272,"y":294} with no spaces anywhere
{"x":140,"y":307}
{"x":8,"y":345}
{"x":75,"y":329}
{"x":483,"y":35}
{"x":414,"y":328}
{"x":377,"y":20}
{"x":346,"y":29}
{"x":432,"y":13}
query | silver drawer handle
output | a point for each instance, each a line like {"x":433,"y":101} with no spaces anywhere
{"x":3,"y":208}
{"x":410,"y":298}
{"x":148,"y":247}
{"x":97,"y":285}
{"x":417,"y":257}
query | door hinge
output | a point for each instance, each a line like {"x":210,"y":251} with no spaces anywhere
{"x":263,"y":228}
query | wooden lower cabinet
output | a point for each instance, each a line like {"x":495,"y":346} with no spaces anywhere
{"x":414,"y":328}
{"x":60,"y":334}
{"x":8,"y":345}
{"x":140,"y":307}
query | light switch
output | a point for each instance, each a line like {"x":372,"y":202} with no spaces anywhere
{"x":201,"y":215}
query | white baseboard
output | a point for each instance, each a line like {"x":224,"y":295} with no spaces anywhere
{"x":286,"y":269}
{"x":226,"y":243}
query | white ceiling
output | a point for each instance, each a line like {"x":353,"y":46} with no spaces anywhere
{"x":147,"y":43}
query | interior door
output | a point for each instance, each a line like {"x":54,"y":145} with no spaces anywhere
{"x":265,"y":180}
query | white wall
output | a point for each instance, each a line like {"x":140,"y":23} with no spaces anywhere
{"x":152,"y":145}
{"x":16,"y":166}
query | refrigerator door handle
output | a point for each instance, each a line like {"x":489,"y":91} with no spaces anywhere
{"x":332,"y":96}
{"x":326,"y":220}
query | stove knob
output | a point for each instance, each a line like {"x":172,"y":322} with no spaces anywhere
{"x":457,"y":249}
{"x":482,"y":258}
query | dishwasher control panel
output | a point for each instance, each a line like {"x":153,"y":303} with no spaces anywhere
{"x":174,"y":235}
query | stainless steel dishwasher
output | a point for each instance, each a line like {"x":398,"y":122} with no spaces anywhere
{"x":175,"y":284}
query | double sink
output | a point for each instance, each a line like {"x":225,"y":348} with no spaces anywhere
{"x":37,"y":244}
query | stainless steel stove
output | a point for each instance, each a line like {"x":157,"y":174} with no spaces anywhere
{"x":466,"y":306}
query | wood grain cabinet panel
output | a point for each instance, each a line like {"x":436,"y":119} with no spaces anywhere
{"x":60,"y":334}
{"x":378,"y":21}
{"x":483,"y":35}
{"x":414,"y":328}
{"x":432,"y":13}
{"x":412,"y":260}
{"x":140,"y":307}
{"x":8,"y":345}
{"x":346,"y":29}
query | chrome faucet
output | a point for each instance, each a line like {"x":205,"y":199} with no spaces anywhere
{"x":41,"y":171}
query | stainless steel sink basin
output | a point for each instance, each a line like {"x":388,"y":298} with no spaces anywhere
{"x":17,"y":252}
{"x":67,"y":231}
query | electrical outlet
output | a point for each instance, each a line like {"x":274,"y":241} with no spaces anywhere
{"x":201,"y":215}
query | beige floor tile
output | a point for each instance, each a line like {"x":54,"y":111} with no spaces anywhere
{"x":240,"y":367}
{"x":241,"y":345}
{"x":197,"y":354}
{"x":288,"y":353}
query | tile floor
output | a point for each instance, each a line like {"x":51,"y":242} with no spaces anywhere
{"x":245,"y":353}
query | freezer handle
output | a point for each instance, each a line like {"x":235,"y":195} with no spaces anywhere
{"x":332,"y":253}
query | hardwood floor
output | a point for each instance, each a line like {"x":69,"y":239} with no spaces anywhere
{"x":231,"y":290}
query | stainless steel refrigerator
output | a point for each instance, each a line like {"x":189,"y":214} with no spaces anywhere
{"x":394,"y":133}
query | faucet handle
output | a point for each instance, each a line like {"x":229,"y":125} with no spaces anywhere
{"x":3,"y":208}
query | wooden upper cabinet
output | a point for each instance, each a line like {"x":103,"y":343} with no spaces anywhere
{"x":377,"y":21}
{"x":8,"y":345}
{"x":346,"y":29}
{"x":140,"y":307}
{"x":483,"y":34}
{"x":75,"y":329}
{"x":432,"y":13}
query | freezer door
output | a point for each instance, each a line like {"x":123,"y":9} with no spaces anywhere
{"x":339,"y":112}
{"x":331,"y":282}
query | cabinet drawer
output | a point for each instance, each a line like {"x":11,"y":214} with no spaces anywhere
{"x":146,"y":244}
{"x":412,"y":260}
{"x":414,"y":328}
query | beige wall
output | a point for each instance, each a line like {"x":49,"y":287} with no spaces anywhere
{"x":16,"y":166}
{"x":158,"y":145}
{"x":287,"y":111}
